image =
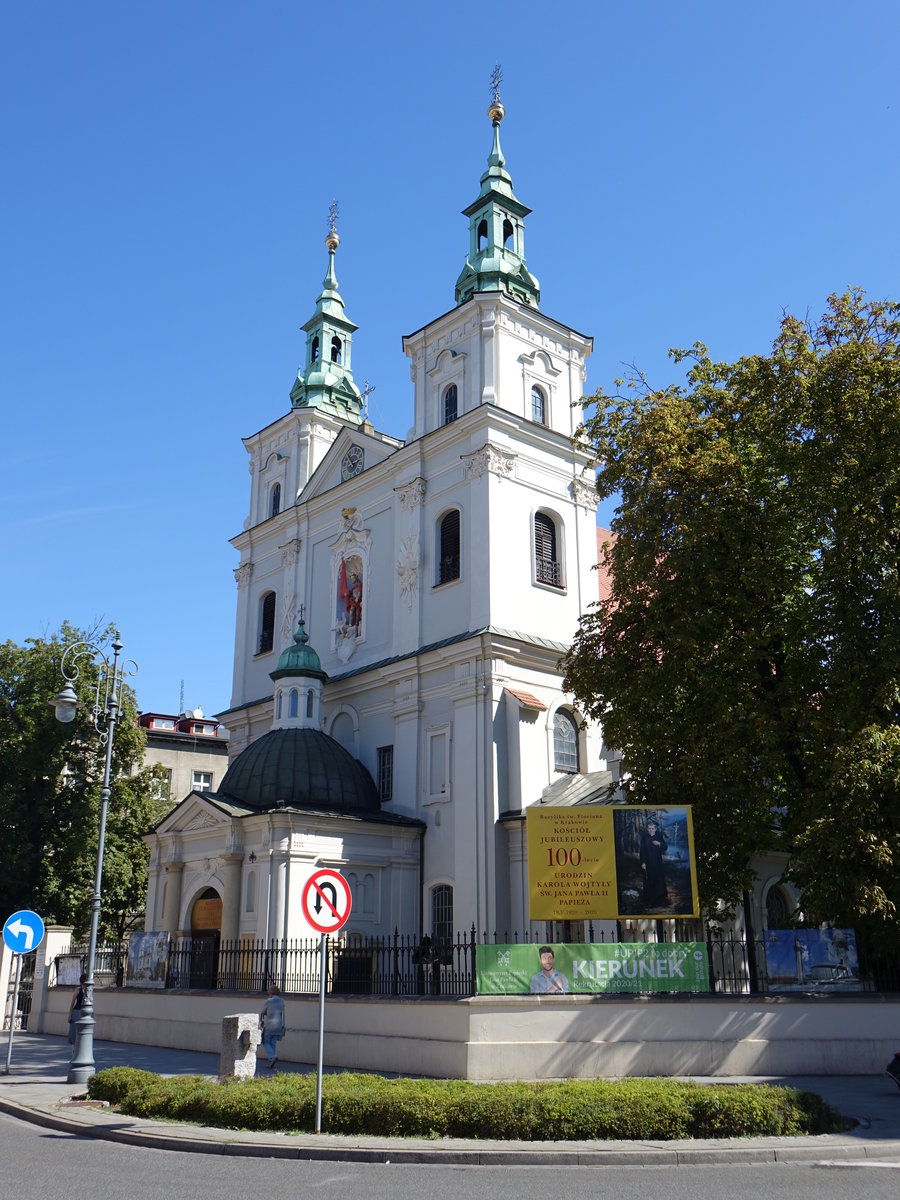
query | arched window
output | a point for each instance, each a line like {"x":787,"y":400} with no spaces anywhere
{"x":482,"y":234}
{"x":442,"y":915}
{"x":278,"y":705}
{"x":450,"y":404}
{"x":507,"y":232}
{"x":547,"y":567}
{"x":777,"y":909}
{"x":314,"y":352}
{"x":448,"y":547}
{"x":565,"y":742}
{"x":538,"y":405}
{"x":336,"y":349}
{"x":266,"y":623}
{"x":309,"y":703}
{"x":292,"y":703}
{"x":275,"y":506}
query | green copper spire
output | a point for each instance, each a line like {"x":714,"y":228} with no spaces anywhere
{"x":496,"y":258}
{"x":299,"y":659}
{"x":326,"y":381}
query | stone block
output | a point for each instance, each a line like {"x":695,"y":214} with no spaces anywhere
{"x":240,"y":1037}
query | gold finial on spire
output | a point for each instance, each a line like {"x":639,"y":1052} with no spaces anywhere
{"x":496,"y":111}
{"x":332,"y":241}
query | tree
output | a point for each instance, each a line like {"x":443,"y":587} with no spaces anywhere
{"x":50,"y":779}
{"x":747,"y":660}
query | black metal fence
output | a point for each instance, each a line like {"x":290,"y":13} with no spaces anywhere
{"x":404,"y":965}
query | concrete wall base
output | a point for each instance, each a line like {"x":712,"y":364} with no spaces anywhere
{"x":513,"y":1037}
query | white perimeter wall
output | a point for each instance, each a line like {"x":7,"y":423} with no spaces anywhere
{"x":487,"y":1038}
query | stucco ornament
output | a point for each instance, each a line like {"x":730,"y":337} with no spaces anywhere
{"x":411,"y":494}
{"x":289,"y":624}
{"x":408,"y":569}
{"x":243,"y":574}
{"x":584,"y":493}
{"x":489,"y":458}
{"x":290,"y":553}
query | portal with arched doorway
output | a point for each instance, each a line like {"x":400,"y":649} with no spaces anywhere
{"x":206,"y":931}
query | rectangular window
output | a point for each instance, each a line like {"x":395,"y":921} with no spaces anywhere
{"x":437,"y":763}
{"x":442,"y":915}
{"x":162,"y":788}
{"x":385,"y":773}
{"x":201,"y":781}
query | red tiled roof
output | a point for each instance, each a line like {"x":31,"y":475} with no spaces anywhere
{"x":527,"y":700}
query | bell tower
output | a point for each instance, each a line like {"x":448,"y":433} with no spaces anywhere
{"x":325,"y":381}
{"x":496,"y":258}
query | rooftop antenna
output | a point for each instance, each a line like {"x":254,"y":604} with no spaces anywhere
{"x":181,"y":700}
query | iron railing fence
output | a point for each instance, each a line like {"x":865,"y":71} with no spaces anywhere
{"x":405,"y":965}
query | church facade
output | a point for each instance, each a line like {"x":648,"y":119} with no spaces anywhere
{"x":402,"y":609}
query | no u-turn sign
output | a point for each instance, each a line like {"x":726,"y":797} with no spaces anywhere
{"x":326,"y":900}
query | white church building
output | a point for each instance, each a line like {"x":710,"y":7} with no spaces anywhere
{"x":402,"y":609}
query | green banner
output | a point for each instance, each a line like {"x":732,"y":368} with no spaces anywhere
{"x":600,"y":968}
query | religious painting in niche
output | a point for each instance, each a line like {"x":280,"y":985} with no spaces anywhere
{"x":349,"y":608}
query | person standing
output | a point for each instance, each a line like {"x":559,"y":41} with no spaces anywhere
{"x":75,"y":1005}
{"x":272,"y":1020}
{"x":653,"y":847}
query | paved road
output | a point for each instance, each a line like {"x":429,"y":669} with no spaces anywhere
{"x":36,"y":1090}
{"x":35,"y":1163}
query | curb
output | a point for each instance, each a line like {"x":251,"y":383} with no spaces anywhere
{"x":398,"y":1154}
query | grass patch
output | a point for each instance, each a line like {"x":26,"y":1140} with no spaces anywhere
{"x":577,"y":1109}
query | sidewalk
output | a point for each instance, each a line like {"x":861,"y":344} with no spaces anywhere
{"x":35,"y":1090}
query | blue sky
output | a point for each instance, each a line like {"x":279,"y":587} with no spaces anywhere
{"x":694,"y":169}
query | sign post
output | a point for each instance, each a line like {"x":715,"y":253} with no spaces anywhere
{"x":22,"y":933}
{"x":326,"y":906}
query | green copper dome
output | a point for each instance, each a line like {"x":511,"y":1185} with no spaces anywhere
{"x":300,"y":768}
{"x":299,"y":659}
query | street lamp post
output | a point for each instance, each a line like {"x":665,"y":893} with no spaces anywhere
{"x":104,"y":715}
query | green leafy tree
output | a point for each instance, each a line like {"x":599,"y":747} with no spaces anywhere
{"x":747,"y":660}
{"x":50,"y":781}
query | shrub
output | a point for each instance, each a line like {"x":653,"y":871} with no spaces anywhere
{"x":579,"y":1109}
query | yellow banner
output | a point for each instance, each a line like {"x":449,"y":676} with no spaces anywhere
{"x":610,"y":862}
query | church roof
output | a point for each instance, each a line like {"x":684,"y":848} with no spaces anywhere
{"x":300,"y":768}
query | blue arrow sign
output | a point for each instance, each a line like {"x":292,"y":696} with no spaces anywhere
{"x":23,"y":931}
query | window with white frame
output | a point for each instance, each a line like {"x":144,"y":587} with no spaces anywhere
{"x":565,"y":742}
{"x":437,"y":763}
{"x":162,"y":784}
{"x":201,"y":781}
{"x":538,"y":405}
{"x":547,"y":558}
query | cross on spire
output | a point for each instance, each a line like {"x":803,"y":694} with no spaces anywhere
{"x":496,"y":80}
{"x":368,"y":389}
{"x":333,"y":213}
